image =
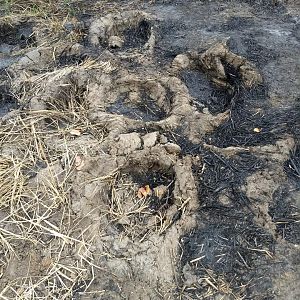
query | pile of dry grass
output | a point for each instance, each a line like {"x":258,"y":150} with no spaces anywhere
{"x":35,"y":206}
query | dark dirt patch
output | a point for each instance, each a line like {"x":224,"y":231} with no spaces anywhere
{"x":205,"y":94}
{"x":146,"y":110}
{"x":170,"y":30}
{"x":7,"y":101}
{"x":232,"y":23}
{"x":66,"y":59}
{"x":136,"y":37}
{"x":238,"y":22}
{"x":267,"y":6}
{"x":296,"y":32}
{"x":16,"y":37}
{"x":252,"y":50}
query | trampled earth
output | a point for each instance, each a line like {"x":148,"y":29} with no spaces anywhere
{"x":150,"y":149}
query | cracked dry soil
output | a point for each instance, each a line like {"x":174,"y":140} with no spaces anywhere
{"x":199,"y":101}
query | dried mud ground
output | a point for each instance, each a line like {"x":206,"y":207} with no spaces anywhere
{"x":149,"y":149}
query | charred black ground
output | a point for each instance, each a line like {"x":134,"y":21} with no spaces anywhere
{"x":204,"y":93}
{"x":7,"y":101}
{"x":137,"y":37}
{"x":228,"y":241}
{"x":227,"y":230}
{"x":285,"y":214}
{"x":20,"y":35}
{"x":253,"y":122}
{"x":145,"y":110}
{"x":230,"y":244}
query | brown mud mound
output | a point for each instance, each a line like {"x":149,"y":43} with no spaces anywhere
{"x":150,"y":150}
{"x":129,"y":29}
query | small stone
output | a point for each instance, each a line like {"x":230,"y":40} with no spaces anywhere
{"x":69,"y":26}
{"x":224,"y":199}
{"x":79,"y":162}
{"x":163,"y":139}
{"x":172,"y":148}
{"x":134,"y":97}
{"x":181,"y":61}
{"x":30,"y":58}
{"x":127,"y":143}
{"x":75,"y":132}
{"x":76,"y":49}
{"x":189,"y":275}
{"x":150,"y":139}
{"x":205,"y":111}
{"x":115,"y":42}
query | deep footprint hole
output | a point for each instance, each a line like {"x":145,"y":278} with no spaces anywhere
{"x":217,"y":100}
{"x":137,"y":36}
{"x":206,"y":94}
{"x":148,"y":194}
{"x":146,"y":109}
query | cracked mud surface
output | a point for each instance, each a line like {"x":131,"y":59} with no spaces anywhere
{"x":154,"y":152}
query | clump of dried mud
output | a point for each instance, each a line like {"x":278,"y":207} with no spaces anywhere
{"x":151,"y":151}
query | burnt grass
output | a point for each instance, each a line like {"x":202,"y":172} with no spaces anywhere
{"x":285,"y":215}
{"x":227,"y":240}
{"x":230,"y":245}
{"x":250,"y":110}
